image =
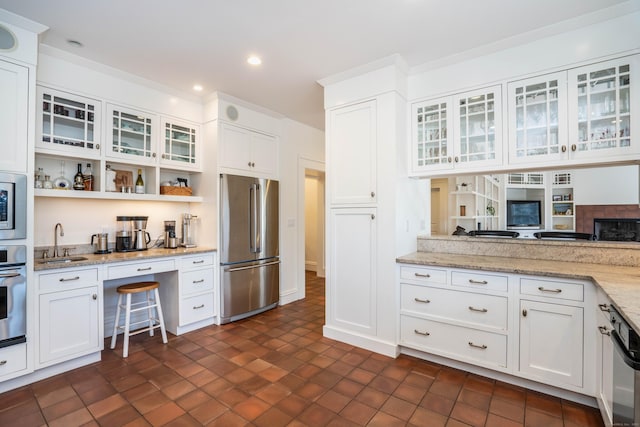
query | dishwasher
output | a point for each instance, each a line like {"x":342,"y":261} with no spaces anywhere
{"x":626,"y":371}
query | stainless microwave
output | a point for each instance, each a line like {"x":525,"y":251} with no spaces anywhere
{"x":13,"y":206}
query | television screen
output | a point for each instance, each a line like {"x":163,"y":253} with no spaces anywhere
{"x":524,"y":213}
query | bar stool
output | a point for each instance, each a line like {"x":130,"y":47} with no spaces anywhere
{"x":148,"y":304}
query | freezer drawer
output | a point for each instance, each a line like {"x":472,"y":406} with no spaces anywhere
{"x":247,"y":290}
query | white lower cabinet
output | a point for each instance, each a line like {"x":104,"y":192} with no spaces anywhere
{"x":527,"y":326}
{"x":604,"y":359}
{"x":13,"y":359}
{"x":551,"y":342}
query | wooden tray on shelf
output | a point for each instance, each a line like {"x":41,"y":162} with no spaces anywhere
{"x":176,"y":191}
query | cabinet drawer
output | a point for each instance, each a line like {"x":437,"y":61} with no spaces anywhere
{"x":480,"y":281}
{"x":456,"y":342}
{"x":196,"y":261}
{"x":552,"y":289}
{"x":197,"y":281}
{"x":13,"y":359}
{"x":140,"y":268}
{"x":193,"y":309}
{"x":68,"y":279}
{"x":478,"y":309}
{"x":424,"y":274}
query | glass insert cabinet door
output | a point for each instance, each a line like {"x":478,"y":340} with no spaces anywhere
{"x":478,"y":126}
{"x":537,"y":114}
{"x":68,"y":123}
{"x":604,"y":95}
{"x":180,"y":143}
{"x":431,"y":148}
{"x":132,"y":134}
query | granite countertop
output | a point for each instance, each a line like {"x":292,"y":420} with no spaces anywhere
{"x":98,"y":259}
{"x":620,"y":283}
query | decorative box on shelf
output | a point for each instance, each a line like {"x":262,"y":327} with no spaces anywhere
{"x":170,"y":190}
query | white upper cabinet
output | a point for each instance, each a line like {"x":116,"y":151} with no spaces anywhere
{"x":248,"y":152}
{"x":352,"y":152}
{"x":67,"y":124}
{"x":538,"y":119}
{"x":131,"y":135}
{"x":463,"y":131}
{"x":14,"y":87}
{"x":602,"y":98}
{"x":180,"y":145}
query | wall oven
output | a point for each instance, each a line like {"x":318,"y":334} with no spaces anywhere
{"x":626,"y":371}
{"x":13,"y":292}
{"x":13,"y":206}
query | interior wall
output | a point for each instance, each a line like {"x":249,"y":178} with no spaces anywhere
{"x":311,"y":212}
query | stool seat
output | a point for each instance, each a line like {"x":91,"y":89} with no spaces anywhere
{"x":125,"y":292}
{"x":133,"y":288}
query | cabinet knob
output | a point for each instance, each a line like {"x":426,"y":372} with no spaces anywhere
{"x":3,"y":362}
{"x":455,"y":159}
{"x":153,"y":155}
{"x":564,"y":148}
{"x":573,"y":147}
{"x":94,"y":296}
{"x":524,"y":313}
{"x":373,"y":194}
{"x":449,"y":159}
{"x":253,"y":164}
{"x":373,"y":216}
{"x":97,"y":146}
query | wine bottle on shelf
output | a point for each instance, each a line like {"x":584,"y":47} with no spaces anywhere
{"x":88,"y":178}
{"x":139,"y":183}
{"x":78,"y":179}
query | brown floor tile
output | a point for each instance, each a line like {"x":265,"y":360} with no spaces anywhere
{"x":276,"y":369}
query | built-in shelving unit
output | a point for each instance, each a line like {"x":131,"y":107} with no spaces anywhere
{"x":476,"y":202}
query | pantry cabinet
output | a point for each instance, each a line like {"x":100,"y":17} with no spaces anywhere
{"x":14,"y":104}
{"x":243,"y":151}
{"x":463,"y":131}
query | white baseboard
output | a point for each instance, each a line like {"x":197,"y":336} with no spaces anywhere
{"x":310,"y":266}
{"x":368,"y":343}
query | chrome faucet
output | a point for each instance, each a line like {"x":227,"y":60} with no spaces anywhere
{"x":55,"y":239}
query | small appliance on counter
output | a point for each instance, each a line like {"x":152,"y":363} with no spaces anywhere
{"x":170,"y":239}
{"x":132,"y":234}
{"x":188,"y":231}
{"x":102,"y":243}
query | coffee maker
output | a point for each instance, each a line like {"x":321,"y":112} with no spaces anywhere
{"x":132,"y":234}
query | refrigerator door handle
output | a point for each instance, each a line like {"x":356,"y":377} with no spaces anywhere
{"x":230,"y":270}
{"x":258,"y":218}
{"x":253,"y":218}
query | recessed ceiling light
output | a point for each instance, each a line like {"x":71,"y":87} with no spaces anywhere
{"x":74,"y":43}
{"x":254,"y":60}
{"x":198,"y":88}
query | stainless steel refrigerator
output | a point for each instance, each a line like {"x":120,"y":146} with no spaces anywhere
{"x":249,"y":250}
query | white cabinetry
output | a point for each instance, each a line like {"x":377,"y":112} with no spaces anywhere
{"x":13,"y":360}
{"x":552,"y":317}
{"x":180,"y":144}
{"x":463,"y":131}
{"x":352,"y":277}
{"x":14,"y":103}
{"x":193,"y":301}
{"x":602,"y":99}
{"x":604,"y":358}
{"x":538,"y":118}
{"x":247,"y":152}
{"x":352,"y":153}
{"x":132,"y":135}
{"x":70,"y":312}
{"x":457,"y":314}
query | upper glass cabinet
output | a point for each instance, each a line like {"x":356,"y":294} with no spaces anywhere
{"x":477,"y":126}
{"x":430,"y":123}
{"x":180,"y":144}
{"x":132,"y":135}
{"x":68,"y":123}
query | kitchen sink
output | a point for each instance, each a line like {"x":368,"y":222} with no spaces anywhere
{"x":62,"y":260}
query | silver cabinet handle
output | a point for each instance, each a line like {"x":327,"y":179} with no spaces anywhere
{"x":3,"y":362}
{"x":196,"y":307}
{"x":70,"y":279}
{"x":426,"y":334}
{"x":144,"y":269}
{"x":198,"y":281}
{"x":604,"y":330}
{"x":481,"y":347}
{"x":553,"y":291}
{"x":422,"y":275}
{"x":564,"y":148}
{"x":573,"y":147}
{"x":94,"y":296}
{"x":198,"y":262}
{"x":479,"y":310}
{"x":426,"y":301}
{"x":478,"y":282}
{"x":604,"y":307}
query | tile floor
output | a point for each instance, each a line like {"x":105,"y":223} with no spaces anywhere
{"x":276,"y":369}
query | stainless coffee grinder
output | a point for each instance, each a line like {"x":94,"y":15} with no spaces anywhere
{"x":188,"y":231}
{"x":170,"y":239}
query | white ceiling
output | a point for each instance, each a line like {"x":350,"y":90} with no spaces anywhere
{"x":178,"y":43}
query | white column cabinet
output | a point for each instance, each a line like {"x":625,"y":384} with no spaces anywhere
{"x":244,"y":151}
{"x":14,"y":103}
{"x":352,"y":153}
{"x":352,"y":276}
